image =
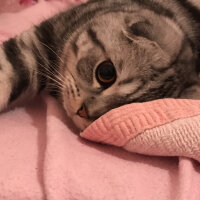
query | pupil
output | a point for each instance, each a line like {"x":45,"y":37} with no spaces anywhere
{"x":107,"y":72}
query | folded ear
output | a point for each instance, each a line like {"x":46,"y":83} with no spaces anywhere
{"x":161,"y":30}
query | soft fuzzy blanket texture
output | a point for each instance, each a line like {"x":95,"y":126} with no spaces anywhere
{"x":152,"y":149}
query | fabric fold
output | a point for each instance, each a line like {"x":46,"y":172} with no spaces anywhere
{"x":43,"y":157}
{"x":165,"y":127}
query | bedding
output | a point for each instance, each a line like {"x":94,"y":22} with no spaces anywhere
{"x":43,"y":157}
{"x":165,"y":127}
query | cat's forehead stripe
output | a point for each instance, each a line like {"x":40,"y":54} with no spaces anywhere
{"x":75,"y":48}
{"x":74,"y":45}
{"x":93,"y":36}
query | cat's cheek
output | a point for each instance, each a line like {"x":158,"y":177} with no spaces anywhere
{"x":80,"y":122}
{"x":70,"y":103}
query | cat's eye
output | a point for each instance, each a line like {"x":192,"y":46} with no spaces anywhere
{"x":106,"y":74}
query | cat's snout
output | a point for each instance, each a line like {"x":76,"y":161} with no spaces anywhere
{"x":82,"y":112}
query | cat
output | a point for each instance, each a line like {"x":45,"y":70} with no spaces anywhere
{"x":105,"y":53}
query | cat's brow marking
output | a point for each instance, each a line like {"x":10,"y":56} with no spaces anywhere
{"x":75,"y":47}
{"x":93,"y":36}
{"x":126,"y":81}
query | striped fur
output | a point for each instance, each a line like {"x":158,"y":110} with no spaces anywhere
{"x":153,"y":44}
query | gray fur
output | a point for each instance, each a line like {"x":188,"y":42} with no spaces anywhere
{"x":154,"y":46}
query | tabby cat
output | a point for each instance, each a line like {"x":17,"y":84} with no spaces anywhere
{"x":106,"y":53}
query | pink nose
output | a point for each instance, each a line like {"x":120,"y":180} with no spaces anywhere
{"x":82,"y":112}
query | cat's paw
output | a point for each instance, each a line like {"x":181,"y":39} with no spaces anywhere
{"x":4,"y":98}
{"x":5,"y":91}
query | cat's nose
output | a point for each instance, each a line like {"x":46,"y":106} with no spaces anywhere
{"x":82,"y":112}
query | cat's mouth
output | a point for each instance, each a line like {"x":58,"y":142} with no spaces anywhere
{"x":81,"y":118}
{"x":82,"y":112}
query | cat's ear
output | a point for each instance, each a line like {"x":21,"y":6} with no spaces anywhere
{"x":164,"y":32}
{"x":142,"y":29}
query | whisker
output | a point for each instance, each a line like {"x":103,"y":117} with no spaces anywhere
{"x":53,"y":90}
{"x":56,"y":78}
{"x":60,"y":77}
{"x":56,"y":70}
{"x":52,"y":51}
{"x":54,"y":85}
{"x":47,"y":61}
{"x":51,"y":78}
{"x":54,"y":75}
{"x":53,"y":62}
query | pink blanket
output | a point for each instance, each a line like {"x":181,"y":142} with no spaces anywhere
{"x":165,"y":127}
{"x":43,"y":158}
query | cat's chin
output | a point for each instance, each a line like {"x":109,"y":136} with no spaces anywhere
{"x":80,"y":122}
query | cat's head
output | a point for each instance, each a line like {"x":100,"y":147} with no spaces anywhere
{"x":119,"y":58}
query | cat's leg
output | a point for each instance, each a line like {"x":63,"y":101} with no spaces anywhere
{"x":20,"y":76}
{"x":6,"y":76}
